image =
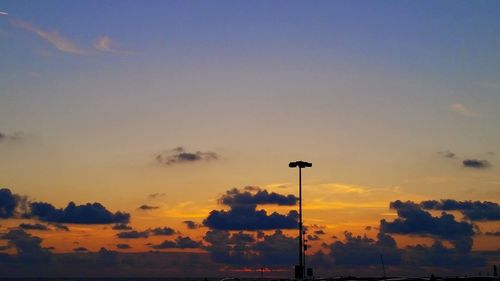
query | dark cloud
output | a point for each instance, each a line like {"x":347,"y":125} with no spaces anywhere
{"x":255,"y":196}
{"x":447,"y":154}
{"x":249,"y":218}
{"x":107,"y":257}
{"x":36,"y":226}
{"x":123,"y":246}
{"x":319,"y":232}
{"x":156,"y":195}
{"x":243,"y":213}
{"x":14,"y":137}
{"x":28,"y":247}
{"x":493,"y":233}
{"x":412,"y":220}
{"x":357,"y":252}
{"x":60,"y":226}
{"x":476,"y":164}
{"x":472,"y":210}
{"x":94,"y":213}
{"x":243,"y":249}
{"x":439,"y":256}
{"x":162,"y":231}
{"x":8,"y":203}
{"x":133,"y":234}
{"x":241,"y":237}
{"x":146,"y":207}
{"x":313,"y":237}
{"x":180,"y":155}
{"x":80,"y":249}
{"x":363,"y":251}
{"x":191,"y":224}
{"x":179,"y":243}
{"x":121,"y":226}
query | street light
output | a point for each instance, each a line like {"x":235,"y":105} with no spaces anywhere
{"x":299,"y":270}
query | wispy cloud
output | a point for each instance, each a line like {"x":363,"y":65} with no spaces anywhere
{"x":53,"y":37}
{"x":180,"y":155}
{"x":3,"y":13}
{"x":19,"y":136}
{"x":461,"y":109}
{"x":106,"y":44}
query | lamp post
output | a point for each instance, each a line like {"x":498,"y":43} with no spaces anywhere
{"x":299,"y":273}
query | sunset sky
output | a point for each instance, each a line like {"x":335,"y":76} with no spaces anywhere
{"x":159,"y":109}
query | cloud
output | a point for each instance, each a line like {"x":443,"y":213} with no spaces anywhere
{"x":60,"y":226}
{"x":461,"y":109}
{"x":319,"y":232}
{"x":476,"y":164}
{"x":3,"y":13}
{"x":313,"y":237}
{"x":248,"y":218}
{"x":439,"y":256}
{"x":412,"y":220}
{"x":243,"y":249}
{"x":235,"y":197}
{"x":492,"y":233}
{"x":53,"y":37}
{"x":364,"y":251}
{"x":179,"y":243}
{"x":473,"y":210}
{"x":243,"y":213}
{"x":121,"y":226}
{"x":123,"y":246}
{"x":8,"y":203}
{"x":106,"y":44}
{"x":36,"y":226}
{"x":80,"y":249}
{"x":133,"y":234}
{"x":162,"y":231}
{"x":28,"y":247}
{"x":191,"y":224}
{"x":94,"y":213}
{"x":156,"y":195}
{"x":447,"y":154}
{"x":180,"y":155}
{"x":146,"y":207}
{"x":14,"y":137}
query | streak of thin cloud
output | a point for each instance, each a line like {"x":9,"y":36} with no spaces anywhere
{"x":105,"y":44}
{"x":4,"y":13}
{"x":59,"y":42}
{"x":461,"y":109}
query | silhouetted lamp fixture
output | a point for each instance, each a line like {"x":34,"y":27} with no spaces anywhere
{"x":299,"y":269}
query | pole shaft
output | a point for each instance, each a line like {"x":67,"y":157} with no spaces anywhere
{"x":301,"y":240}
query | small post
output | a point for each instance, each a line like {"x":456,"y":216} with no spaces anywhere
{"x":383,"y":266}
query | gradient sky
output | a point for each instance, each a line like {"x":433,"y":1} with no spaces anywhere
{"x":374,"y":94}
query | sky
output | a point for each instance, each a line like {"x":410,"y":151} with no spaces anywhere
{"x":179,"y":119}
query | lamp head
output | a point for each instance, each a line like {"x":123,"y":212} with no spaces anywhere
{"x":300,"y":164}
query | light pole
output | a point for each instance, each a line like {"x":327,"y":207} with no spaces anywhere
{"x":299,"y":272}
